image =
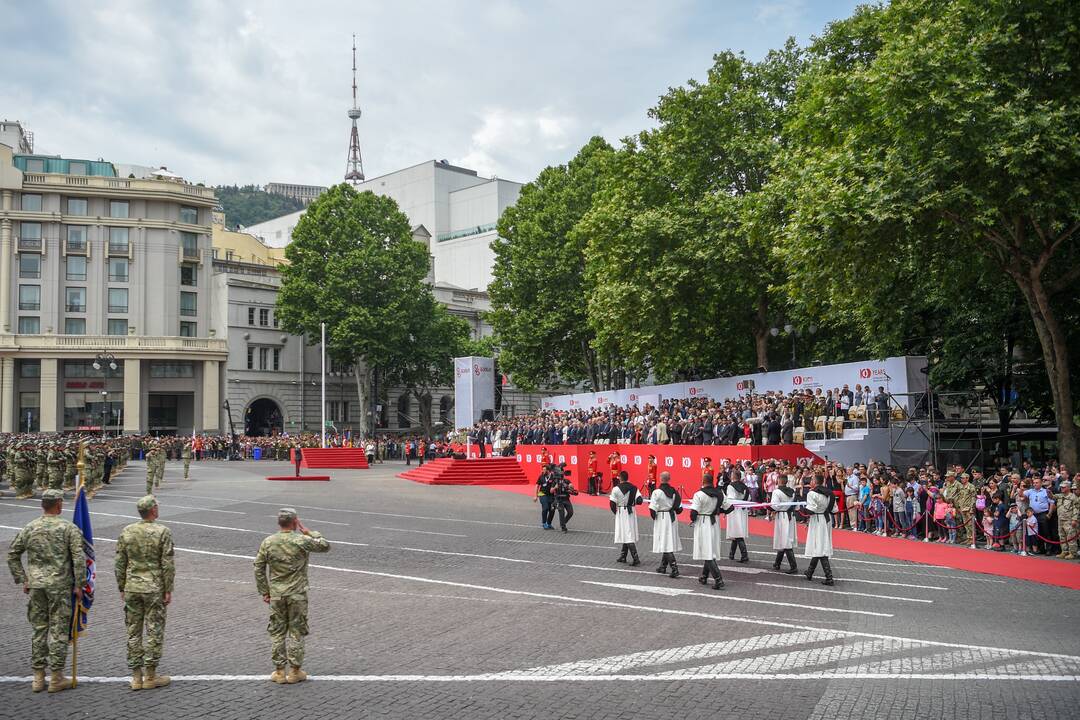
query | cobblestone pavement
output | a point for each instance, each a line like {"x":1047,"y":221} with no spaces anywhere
{"x":452,"y":602}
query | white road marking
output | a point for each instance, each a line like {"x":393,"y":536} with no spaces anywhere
{"x":459,"y":554}
{"x":421,"y":532}
{"x":317,"y":522}
{"x":903,"y":585}
{"x":545,"y":542}
{"x":909,"y":565}
{"x":843,"y":592}
{"x":795,"y":660}
{"x":170,"y":505}
{"x":731,"y":598}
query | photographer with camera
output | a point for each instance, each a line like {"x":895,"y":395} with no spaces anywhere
{"x":563,"y":489}
{"x":545,"y":494}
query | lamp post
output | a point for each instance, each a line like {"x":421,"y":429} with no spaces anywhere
{"x":106,"y":364}
{"x":793,"y":332}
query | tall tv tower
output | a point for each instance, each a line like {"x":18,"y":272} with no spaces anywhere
{"x":354,"y":166}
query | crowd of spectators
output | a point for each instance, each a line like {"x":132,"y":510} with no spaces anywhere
{"x":770,"y":418}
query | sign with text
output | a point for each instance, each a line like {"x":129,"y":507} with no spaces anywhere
{"x":474,"y":389}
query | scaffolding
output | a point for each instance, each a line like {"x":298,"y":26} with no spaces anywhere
{"x":919,"y":418}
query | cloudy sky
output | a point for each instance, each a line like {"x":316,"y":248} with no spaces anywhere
{"x":241,"y":91}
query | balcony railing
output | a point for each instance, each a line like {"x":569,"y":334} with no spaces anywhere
{"x":190,"y":253}
{"x":29,"y":306}
{"x":106,"y":184}
{"x":75,"y":247}
{"x":73,"y":308}
{"x":29,"y":243}
{"x":120,"y":249}
{"x":131,"y":343}
{"x":118,"y":308}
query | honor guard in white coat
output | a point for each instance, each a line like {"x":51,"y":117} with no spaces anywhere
{"x":623,"y":499}
{"x":737,"y":520}
{"x":664,"y":505}
{"x":703,"y":510}
{"x":784,"y":537}
{"x":820,"y":503}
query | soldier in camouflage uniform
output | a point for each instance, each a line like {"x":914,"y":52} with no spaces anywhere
{"x":56,"y":567}
{"x":284,"y":555}
{"x":24,"y":478}
{"x":54,"y":462}
{"x":71,"y":470}
{"x":41,"y":468}
{"x":187,"y":458}
{"x":1067,"y":507}
{"x":144,"y":573}
{"x":963,"y":500}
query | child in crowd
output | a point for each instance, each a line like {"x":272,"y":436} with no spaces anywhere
{"x":877,"y":511}
{"x":1031,"y":523}
{"x":911,"y":512}
{"x":988,"y":529}
{"x":950,"y":523}
{"x":1016,"y":529}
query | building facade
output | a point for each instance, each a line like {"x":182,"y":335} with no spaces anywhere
{"x":105,"y":300}
{"x":303,"y":193}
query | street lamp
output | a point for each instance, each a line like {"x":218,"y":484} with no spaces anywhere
{"x":106,"y":362}
{"x":793,"y":332}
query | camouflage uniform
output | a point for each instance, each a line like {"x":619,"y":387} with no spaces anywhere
{"x":144,"y":573}
{"x":285,"y":555}
{"x":40,"y":467}
{"x":187,"y":459}
{"x":71,"y":469}
{"x":24,"y":478}
{"x":1067,"y":507}
{"x":54,"y":461}
{"x":56,"y":564}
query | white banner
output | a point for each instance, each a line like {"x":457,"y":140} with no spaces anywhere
{"x":474,"y":389}
{"x":898,"y":375}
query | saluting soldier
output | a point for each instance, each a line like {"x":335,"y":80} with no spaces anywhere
{"x":55,"y":568}
{"x":24,"y":478}
{"x":1067,"y":508}
{"x":281,"y":576}
{"x":145,"y":570}
{"x":187,"y":458}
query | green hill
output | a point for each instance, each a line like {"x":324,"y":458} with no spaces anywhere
{"x":249,"y":204}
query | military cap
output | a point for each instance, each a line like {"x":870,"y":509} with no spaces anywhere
{"x":52,"y":495}
{"x":1066,"y":482}
{"x":286,"y":514}
{"x":146,"y":502}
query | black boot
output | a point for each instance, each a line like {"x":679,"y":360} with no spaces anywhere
{"x":716,"y":574}
{"x":742,"y":549}
{"x":810,"y":570}
{"x":634,"y":555}
{"x":779,"y":557}
{"x":828,"y":571}
{"x":622,"y":555}
{"x":663,"y":564}
{"x":674,"y":567}
{"x":792,"y":567}
{"x":731,"y":552}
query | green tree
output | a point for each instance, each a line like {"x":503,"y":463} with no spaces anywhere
{"x":354,"y":265}
{"x":249,"y":204}
{"x":539,"y":293}
{"x":930,"y":130}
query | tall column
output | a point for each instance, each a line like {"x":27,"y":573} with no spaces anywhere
{"x":132,"y":399}
{"x":7,"y":395}
{"x":5,"y":264}
{"x":211,"y":397}
{"x":48,"y":394}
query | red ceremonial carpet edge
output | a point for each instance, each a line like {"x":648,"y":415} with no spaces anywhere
{"x":324,"y":478}
{"x":1062,"y":573}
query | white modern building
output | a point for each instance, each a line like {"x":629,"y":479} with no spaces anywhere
{"x":456,"y":206}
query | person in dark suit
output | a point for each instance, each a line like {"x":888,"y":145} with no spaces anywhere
{"x":772,"y":430}
{"x":787,"y":431}
{"x":297,"y":458}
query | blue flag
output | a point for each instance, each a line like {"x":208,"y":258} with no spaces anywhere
{"x":82,"y":521}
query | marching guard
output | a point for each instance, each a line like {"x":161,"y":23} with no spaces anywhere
{"x":623,"y":498}
{"x":737,"y":520}
{"x":784,"y":538}
{"x":820,"y":503}
{"x":664,"y":505}
{"x":703,"y":510}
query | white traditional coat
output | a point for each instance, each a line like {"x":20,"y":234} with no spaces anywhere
{"x":665,"y":527}
{"x":784,"y":536}
{"x":706,"y":530}
{"x":626,"y":530}
{"x":819,"y":532}
{"x":736,"y":519}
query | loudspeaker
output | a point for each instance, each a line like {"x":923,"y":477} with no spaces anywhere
{"x":487,"y":415}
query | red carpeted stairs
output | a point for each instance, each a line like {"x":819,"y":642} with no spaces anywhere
{"x":487,"y":471}
{"x":350,"y":458}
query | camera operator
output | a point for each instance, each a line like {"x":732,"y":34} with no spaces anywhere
{"x":563,"y":489}
{"x":545,"y":493}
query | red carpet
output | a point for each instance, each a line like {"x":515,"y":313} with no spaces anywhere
{"x":1063,"y":573}
{"x":448,"y":471}
{"x":299,"y":478}
{"x":342,"y":458}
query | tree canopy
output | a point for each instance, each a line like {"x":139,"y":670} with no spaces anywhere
{"x":249,"y":204}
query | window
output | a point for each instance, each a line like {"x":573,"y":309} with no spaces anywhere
{"x":29,"y":326}
{"x":29,"y":297}
{"x":251,"y":316}
{"x":188,"y":304}
{"x":85,"y":369}
{"x":29,"y":265}
{"x":446,"y":402}
{"x":189,"y":275}
{"x":188,"y":329}
{"x":337,"y":411}
{"x":251,"y":358}
{"x":117,"y":326}
{"x":264,"y":358}
{"x":163,"y":411}
{"x":29,"y":410}
{"x":175,"y":369}
{"x":91,"y":409}
{"x":189,"y":215}
{"x":277,"y":358}
{"x":76,"y":267}
{"x":76,"y":206}
{"x":75,"y":299}
{"x":118,"y":241}
{"x":29,"y":236}
{"x":76,"y":168}
{"x":118,"y":269}
{"x":75,"y":326}
{"x":29,"y":368}
{"x":403,"y":411}
{"x":213,"y":253}
{"x":189,"y":242}
{"x":118,"y":300}
{"x":31,"y":202}
{"x":229,"y":254}
{"x":274,"y":322}
{"x":35,"y":165}
{"x":118,"y":209}
{"x":76,"y":238}
{"x":264,"y":317}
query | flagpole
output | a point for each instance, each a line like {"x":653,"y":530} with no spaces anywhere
{"x":322,"y":347}
{"x":80,"y":466}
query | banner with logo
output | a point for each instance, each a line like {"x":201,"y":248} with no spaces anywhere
{"x":474,"y":389}
{"x":899,"y":376}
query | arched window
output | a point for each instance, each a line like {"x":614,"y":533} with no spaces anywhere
{"x":446,"y":404}
{"x":403,"y":411}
